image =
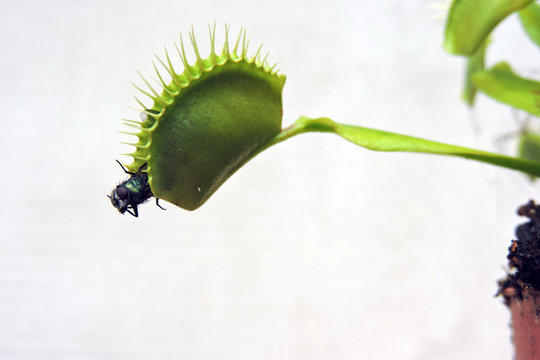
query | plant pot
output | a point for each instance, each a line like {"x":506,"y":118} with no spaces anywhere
{"x":525,"y":309}
{"x":521,"y":288}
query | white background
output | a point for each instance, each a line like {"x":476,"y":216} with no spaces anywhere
{"x":316,"y":249}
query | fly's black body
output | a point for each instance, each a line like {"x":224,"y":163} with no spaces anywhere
{"x":132,"y":192}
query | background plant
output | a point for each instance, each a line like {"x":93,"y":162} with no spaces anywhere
{"x":469,"y":25}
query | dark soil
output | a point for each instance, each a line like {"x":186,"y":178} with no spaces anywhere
{"x":524,"y":256}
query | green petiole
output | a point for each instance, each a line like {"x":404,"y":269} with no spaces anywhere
{"x":378,"y":140}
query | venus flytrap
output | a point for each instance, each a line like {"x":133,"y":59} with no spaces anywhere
{"x":221,"y":111}
{"x":530,"y":19}
{"x":469,"y":24}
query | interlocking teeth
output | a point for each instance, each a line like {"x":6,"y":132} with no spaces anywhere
{"x":165,"y":95}
{"x":132,"y":124}
{"x":128,"y":133}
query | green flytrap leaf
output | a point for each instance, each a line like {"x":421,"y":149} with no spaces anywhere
{"x":475,"y":63}
{"x":503,"y":85}
{"x":470,"y":22}
{"x":529,"y":146}
{"x":379,"y":140}
{"x":220,"y":112}
{"x":530,"y":19}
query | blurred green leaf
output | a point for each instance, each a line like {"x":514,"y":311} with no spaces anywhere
{"x":529,"y":146}
{"x":474,"y":63}
{"x":503,"y":85}
{"x":469,"y":22}
{"x":530,"y":19}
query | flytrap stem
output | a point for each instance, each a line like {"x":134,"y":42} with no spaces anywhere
{"x":378,"y":140}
